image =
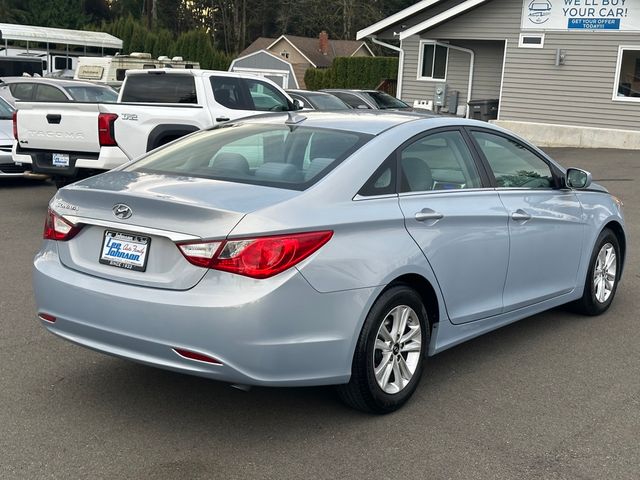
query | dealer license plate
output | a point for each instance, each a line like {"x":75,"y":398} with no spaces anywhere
{"x":125,"y":250}
{"x":60,"y":159}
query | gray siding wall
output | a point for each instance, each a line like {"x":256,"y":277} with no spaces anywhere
{"x":486,"y":73}
{"x":535,"y":89}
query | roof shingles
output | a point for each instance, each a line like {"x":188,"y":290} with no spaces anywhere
{"x":310,"y":48}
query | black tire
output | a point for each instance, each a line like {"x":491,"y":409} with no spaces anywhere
{"x":363,"y":391}
{"x":589,"y":303}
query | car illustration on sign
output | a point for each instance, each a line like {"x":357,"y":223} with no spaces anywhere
{"x":539,"y":11}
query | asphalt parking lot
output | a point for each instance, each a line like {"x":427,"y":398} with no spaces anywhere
{"x":555,"y":396}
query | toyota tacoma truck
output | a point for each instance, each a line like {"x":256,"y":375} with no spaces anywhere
{"x":74,"y":140}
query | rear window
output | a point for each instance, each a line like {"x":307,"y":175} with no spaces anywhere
{"x":159,"y":88}
{"x":271,"y":155}
{"x":385,"y":101}
{"x":327,"y":102}
{"x":93,"y":94}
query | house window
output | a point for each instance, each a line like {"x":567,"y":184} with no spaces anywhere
{"x":627,"y":85}
{"x":535,"y":40}
{"x":284,"y":53}
{"x":433,"y":61}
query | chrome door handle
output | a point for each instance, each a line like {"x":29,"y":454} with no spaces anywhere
{"x":520,"y":215}
{"x":427,"y":214}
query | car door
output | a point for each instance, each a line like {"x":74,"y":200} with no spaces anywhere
{"x":241,"y":97}
{"x":545,"y":221}
{"x":459,"y":223}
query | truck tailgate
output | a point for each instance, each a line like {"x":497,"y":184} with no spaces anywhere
{"x":58,"y":127}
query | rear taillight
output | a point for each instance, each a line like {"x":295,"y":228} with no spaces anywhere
{"x":260,"y":257}
{"x":57,"y":228}
{"x":14,"y":117}
{"x":106,"y":135}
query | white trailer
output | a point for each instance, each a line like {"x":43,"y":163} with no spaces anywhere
{"x":112,"y":70}
{"x":58,"y":48}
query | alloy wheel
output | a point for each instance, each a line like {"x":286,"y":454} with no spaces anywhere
{"x":604,"y":274}
{"x":397,"y":349}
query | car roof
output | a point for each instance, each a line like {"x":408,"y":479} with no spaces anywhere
{"x":306,"y":92}
{"x":48,"y":81}
{"x":195,"y":72}
{"x":372,"y":122}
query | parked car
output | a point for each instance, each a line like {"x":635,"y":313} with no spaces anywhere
{"x":324,"y":248}
{"x":7,"y":167}
{"x":369,"y":99}
{"x":154,"y":107}
{"x":30,"y":89}
{"x":311,"y":100}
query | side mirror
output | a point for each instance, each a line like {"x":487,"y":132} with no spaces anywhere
{"x":577,"y":178}
{"x":298,"y":103}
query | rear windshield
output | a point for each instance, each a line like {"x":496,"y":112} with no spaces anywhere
{"x":271,"y":155}
{"x":386,"y":101}
{"x":327,"y":102}
{"x":93,"y":94}
{"x":159,"y":88}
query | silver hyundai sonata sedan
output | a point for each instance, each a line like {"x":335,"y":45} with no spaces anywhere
{"x":326,"y":249}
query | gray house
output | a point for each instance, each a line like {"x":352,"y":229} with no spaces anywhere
{"x":565,"y":73}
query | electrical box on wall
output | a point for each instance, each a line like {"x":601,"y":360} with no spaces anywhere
{"x":440,"y":94}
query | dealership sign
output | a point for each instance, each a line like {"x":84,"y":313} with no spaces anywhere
{"x":575,"y":15}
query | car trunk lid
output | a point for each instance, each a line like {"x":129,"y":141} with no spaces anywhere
{"x":162,"y":210}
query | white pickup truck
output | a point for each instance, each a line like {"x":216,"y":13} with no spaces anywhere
{"x":73,"y":140}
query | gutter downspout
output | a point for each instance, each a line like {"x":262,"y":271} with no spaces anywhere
{"x":375,"y":40}
{"x":471,"y":66}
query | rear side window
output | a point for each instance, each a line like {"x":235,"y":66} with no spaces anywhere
{"x":22,"y":91}
{"x":270,"y":155}
{"x":160,"y":88}
{"x":229,"y":92}
{"x":47,"y":93}
{"x":93,"y":94}
{"x":440,"y":161}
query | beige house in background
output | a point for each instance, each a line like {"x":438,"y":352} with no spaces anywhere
{"x":286,"y":59}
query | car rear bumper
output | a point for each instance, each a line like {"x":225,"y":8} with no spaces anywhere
{"x":274,"y":332}
{"x":41,"y":160}
{"x":7,"y":167}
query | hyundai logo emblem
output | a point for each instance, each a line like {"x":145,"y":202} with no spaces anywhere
{"x":122,"y":211}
